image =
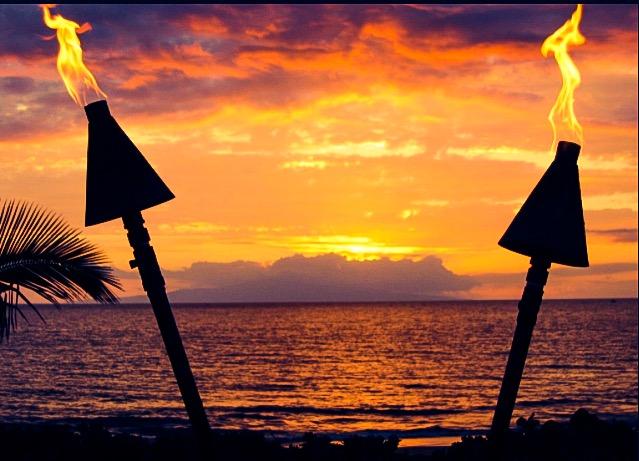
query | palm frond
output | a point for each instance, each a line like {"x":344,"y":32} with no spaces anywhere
{"x":40,"y":252}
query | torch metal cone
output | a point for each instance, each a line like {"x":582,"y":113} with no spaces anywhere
{"x":119,"y":179}
{"x":550,"y":224}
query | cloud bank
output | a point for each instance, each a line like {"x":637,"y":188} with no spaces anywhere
{"x":333,"y":278}
{"x":325,"y":278}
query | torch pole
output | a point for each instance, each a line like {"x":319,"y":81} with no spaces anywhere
{"x":526,"y":319}
{"x":153,"y":283}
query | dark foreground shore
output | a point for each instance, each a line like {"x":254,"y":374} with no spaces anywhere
{"x":584,"y":437}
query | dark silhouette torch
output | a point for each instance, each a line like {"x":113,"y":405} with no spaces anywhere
{"x":120,"y":184}
{"x":549,"y":228}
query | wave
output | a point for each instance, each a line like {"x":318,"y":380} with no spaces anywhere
{"x":265,"y":387}
{"x":153,"y":426}
{"x":334,"y":411}
{"x":552,"y":366}
{"x":551,"y":402}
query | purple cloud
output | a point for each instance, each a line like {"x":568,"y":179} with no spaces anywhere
{"x":617,"y":235}
{"x":323,"y":278}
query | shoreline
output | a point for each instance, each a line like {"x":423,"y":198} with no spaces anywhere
{"x":88,"y":439}
{"x":150,"y":427}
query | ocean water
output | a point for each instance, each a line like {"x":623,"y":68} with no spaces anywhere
{"x":417,"y":369}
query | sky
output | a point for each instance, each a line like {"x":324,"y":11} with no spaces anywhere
{"x":337,"y":151}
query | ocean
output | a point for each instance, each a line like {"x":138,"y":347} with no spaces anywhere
{"x":417,"y":370}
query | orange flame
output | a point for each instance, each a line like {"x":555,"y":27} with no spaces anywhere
{"x":76,"y":76}
{"x":558,"y":44}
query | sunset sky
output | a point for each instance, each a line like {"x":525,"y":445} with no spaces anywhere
{"x":400,"y":139}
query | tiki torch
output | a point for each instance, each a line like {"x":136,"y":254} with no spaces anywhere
{"x":549,"y":228}
{"x":120,"y":184}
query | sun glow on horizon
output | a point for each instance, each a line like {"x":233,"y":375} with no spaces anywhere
{"x":351,"y":247}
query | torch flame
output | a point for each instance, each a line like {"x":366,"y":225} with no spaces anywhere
{"x":558,"y":44}
{"x":76,"y":76}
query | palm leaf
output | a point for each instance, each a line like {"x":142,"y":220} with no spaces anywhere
{"x":41,"y":253}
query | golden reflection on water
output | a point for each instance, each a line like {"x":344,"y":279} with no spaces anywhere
{"x":400,"y":367}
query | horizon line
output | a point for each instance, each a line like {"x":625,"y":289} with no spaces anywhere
{"x":279,"y":303}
